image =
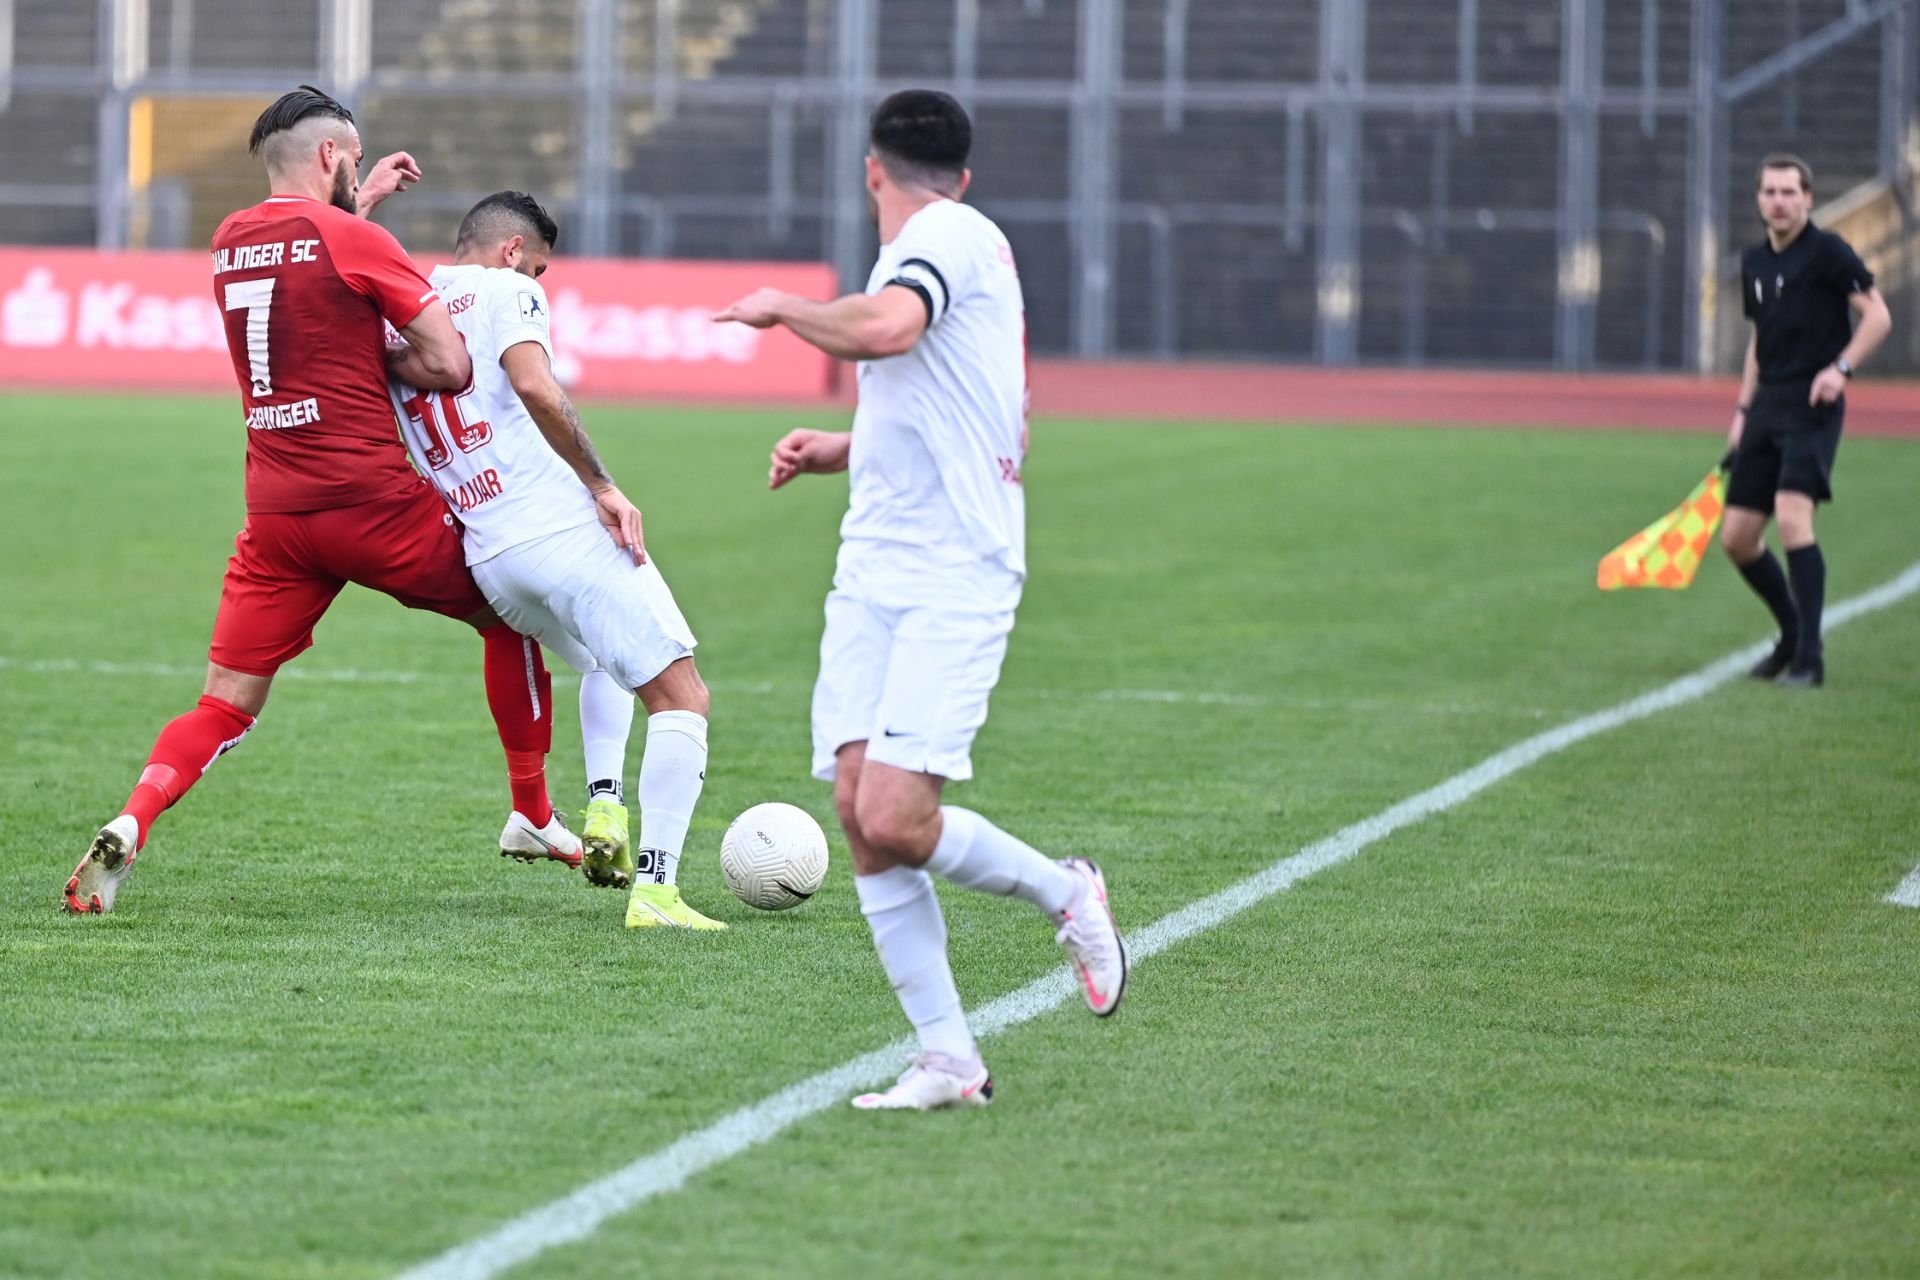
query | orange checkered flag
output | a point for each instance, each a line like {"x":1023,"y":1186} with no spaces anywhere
{"x":1668,"y":552}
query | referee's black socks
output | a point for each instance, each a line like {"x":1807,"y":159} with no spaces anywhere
{"x":1770,"y":584}
{"x":1808,"y":569}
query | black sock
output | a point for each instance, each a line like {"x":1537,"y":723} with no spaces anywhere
{"x":1809,"y":571}
{"x":1770,"y":584}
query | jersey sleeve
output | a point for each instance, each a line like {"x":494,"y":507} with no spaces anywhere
{"x":1749,"y":298}
{"x":1844,"y":268}
{"x":938,"y":260}
{"x":372,"y":263}
{"x":517,"y":312}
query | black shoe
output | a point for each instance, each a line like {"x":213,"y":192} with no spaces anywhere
{"x":1810,"y":676}
{"x":1774,"y":663}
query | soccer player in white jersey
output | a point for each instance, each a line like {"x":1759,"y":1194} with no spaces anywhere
{"x":514,"y":463}
{"x":932,"y":562}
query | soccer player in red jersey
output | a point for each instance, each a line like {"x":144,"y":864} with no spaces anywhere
{"x":305,"y":282}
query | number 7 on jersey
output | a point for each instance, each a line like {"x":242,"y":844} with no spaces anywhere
{"x":255,"y":297}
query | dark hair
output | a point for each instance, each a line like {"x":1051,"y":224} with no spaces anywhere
{"x":508,"y":213}
{"x":289,"y":109}
{"x":923,"y":137}
{"x":1786,"y":160}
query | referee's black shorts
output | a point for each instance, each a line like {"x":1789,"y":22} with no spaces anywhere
{"x":1787,"y":444}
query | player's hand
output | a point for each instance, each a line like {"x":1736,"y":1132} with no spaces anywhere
{"x":388,"y":175}
{"x":760,"y":309}
{"x":1829,"y":385}
{"x":806,"y":451}
{"x":621,"y":520}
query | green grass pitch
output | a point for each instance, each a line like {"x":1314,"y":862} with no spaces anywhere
{"x":1640,"y":1010}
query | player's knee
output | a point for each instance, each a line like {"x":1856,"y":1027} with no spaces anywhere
{"x":1740,"y":543}
{"x":699,"y":701}
{"x":1796,"y":525}
{"x":894,"y":831}
{"x":246,"y":693}
{"x":845,"y":804}
{"x":678,"y":688}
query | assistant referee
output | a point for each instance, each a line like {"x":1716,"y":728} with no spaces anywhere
{"x":1798,"y":286}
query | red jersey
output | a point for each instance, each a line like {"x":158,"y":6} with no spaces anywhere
{"x":304,"y":286}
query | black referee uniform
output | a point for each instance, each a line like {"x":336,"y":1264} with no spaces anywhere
{"x":1797,"y":299}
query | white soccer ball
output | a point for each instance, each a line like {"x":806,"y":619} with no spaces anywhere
{"x":774,"y":856}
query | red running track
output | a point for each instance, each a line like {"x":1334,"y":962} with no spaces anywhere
{"x":1191,"y":392}
{"x":1257,"y":393}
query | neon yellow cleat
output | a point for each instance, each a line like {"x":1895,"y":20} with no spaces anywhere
{"x":659,"y":906}
{"x":609,"y":861}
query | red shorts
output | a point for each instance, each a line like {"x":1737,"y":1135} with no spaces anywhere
{"x":288,"y":566}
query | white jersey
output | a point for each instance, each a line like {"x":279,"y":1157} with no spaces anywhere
{"x":937,"y":513}
{"x":480,"y":447}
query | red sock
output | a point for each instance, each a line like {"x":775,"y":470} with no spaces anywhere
{"x":520,"y":694}
{"x":186,"y":749}
{"x":527,"y":780}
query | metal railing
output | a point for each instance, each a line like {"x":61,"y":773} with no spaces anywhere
{"x":1316,"y":143}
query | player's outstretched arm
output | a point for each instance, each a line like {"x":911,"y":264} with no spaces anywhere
{"x":860,"y":326}
{"x":531,"y":374}
{"x":808,"y":452}
{"x":435,"y":356}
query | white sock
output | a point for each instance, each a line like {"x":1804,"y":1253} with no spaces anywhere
{"x":672,"y":771}
{"x":911,"y":936}
{"x":975,"y":854}
{"x":606,"y":722}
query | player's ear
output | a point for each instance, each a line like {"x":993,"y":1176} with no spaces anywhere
{"x":876,"y":173}
{"x":966,"y":180}
{"x":514,"y":250}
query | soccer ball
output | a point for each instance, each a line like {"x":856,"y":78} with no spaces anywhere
{"x":774,"y":856}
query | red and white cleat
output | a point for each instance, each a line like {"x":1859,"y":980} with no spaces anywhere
{"x":522,"y":840}
{"x":95,"y":883}
{"x":1092,"y":941}
{"x":931,"y":1081}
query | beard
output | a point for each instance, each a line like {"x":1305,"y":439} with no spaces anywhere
{"x":344,"y":195}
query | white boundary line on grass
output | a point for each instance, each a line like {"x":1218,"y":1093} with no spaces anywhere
{"x":578,"y":1215}
{"x":1174,"y":697}
{"x":1907,"y":892}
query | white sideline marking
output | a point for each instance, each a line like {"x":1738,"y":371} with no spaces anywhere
{"x":578,"y":1215}
{"x":1179,"y":697}
{"x":1907,"y":894}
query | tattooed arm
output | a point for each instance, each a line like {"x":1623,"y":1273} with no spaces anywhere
{"x":531,"y":374}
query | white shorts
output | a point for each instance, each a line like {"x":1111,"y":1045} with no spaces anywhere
{"x":589,"y":603}
{"x":912,"y":683}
